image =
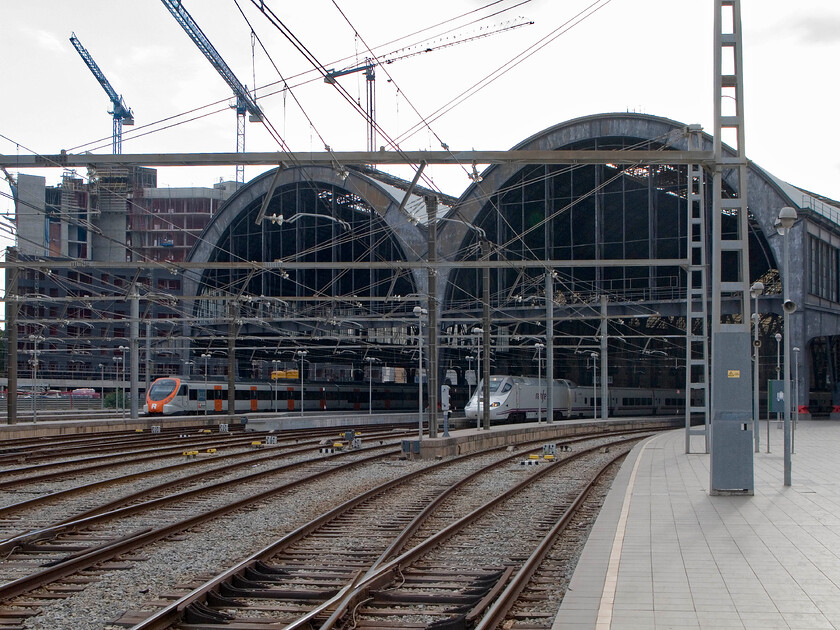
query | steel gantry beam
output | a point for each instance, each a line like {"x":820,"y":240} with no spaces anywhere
{"x":401,"y":264}
{"x":560,"y":156}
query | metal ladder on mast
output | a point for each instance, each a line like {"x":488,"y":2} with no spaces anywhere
{"x":696,"y":321}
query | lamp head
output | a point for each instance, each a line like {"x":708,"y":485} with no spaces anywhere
{"x":778,"y":337}
{"x":757,"y":288}
{"x":787,"y":216}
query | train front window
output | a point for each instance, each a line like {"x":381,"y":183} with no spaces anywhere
{"x":495,"y":383}
{"x":162,"y":388}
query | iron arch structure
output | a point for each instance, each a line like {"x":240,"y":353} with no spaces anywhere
{"x":339,"y":309}
{"x":562,"y":220}
{"x":590,"y":213}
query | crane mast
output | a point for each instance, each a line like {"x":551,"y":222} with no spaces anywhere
{"x":121,"y":113}
{"x":244,"y":101}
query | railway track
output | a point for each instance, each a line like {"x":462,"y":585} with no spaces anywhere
{"x":106,"y":452}
{"x":110,"y":558}
{"x":55,"y":567}
{"x":47,"y":512}
{"x":59,"y":468}
{"x":45,"y":448}
{"x":396,"y":575}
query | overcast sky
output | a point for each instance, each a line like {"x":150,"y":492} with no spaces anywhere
{"x":647,"y":56}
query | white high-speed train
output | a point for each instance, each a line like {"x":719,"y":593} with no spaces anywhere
{"x":518,"y":398}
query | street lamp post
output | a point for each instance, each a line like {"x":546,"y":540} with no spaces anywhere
{"x":469,"y":369}
{"x":274,"y":385}
{"x":370,"y":361}
{"x":116,"y":382}
{"x":539,"y":347}
{"x":755,"y":290}
{"x":206,"y":357}
{"x":778,"y":338}
{"x":35,"y":339}
{"x":420,"y":312}
{"x":301,"y":354}
{"x":125,"y":394}
{"x":102,"y":386}
{"x":787,"y":217}
{"x":594,"y":356}
{"x":479,"y":390}
{"x":279,"y":219}
{"x":795,"y":350}
{"x":33,"y":362}
{"x":123,"y":350}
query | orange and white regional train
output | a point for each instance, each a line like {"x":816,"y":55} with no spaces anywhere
{"x":179,"y":396}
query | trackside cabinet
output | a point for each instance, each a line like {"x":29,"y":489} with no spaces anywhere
{"x":732,"y":445}
{"x":732,"y":453}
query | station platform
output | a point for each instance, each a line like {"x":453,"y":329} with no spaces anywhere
{"x":664,"y":553}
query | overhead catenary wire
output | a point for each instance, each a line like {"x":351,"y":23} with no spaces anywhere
{"x":287,"y":83}
{"x":505,"y":68}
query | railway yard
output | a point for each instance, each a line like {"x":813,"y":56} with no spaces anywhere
{"x":201,"y":528}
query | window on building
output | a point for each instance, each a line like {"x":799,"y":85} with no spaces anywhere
{"x":824,"y":266}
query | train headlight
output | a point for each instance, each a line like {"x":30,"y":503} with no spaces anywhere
{"x":495,"y":404}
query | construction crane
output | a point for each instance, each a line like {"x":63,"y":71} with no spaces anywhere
{"x":369,"y":68}
{"x":370,"y":100}
{"x":121,"y":112}
{"x":244,"y":101}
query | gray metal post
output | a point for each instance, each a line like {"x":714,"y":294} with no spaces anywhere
{"x":755,"y":290}
{"x":370,"y":384}
{"x":34,"y":363}
{"x":786,"y":311}
{"x":485,"y":294}
{"x":301,"y":354}
{"x":539,"y":347}
{"x":148,"y":354}
{"x":731,"y":462}
{"x":779,"y":338}
{"x":233,"y":311}
{"x":431,"y":212}
{"x":594,"y":356}
{"x":419,"y":312}
{"x":605,"y":394}
{"x":134,"y":359}
{"x":12,"y":306}
{"x":795,"y":398}
{"x":549,"y":345}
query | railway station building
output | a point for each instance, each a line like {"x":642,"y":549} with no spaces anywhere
{"x":333,"y":262}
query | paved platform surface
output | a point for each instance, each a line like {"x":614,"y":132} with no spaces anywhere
{"x":664,"y":553}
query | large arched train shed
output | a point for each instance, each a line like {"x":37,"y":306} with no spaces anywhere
{"x":351,"y":317}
